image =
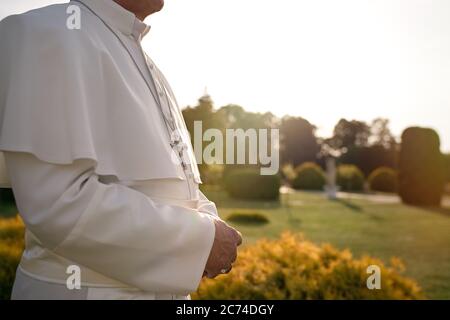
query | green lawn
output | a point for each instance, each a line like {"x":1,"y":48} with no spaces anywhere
{"x":420,"y":237}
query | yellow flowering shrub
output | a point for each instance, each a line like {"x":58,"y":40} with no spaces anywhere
{"x":292,"y":268}
{"x":287,"y":268}
{"x":11,"y":247}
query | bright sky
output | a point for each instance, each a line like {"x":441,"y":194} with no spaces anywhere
{"x":320,"y":59}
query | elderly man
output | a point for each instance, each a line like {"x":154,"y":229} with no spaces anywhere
{"x":100,"y":161}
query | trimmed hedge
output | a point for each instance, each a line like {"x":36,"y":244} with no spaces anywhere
{"x":421,"y":167}
{"x":250,"y":184}
{"x":309,"y":176}
{"x":248,"y":218}
{"x":350,"y":178}
{"x":292,"y":268}
{"x":383,"y":179}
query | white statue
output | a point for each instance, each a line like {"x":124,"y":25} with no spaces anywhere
{"x":331,"y":188}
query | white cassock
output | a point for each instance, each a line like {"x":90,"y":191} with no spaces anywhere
{"x":99,"y":159}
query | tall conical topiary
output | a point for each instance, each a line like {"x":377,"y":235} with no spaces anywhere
{"x":421,"y":168}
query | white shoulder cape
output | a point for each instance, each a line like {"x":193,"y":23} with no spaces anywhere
{"x":69,"y":94}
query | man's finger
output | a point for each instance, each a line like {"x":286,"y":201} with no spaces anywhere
{"x":227,"y":270}
{"x":239,"y":238}
{"x":212,"y":275}
{"x":234,"y":256}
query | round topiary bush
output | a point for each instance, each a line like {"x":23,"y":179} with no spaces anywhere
{"x":383,"y":179}
{"x":250,"y":184}
{"x":248,"y":218}
{"x":350,"y":178}
{"x":309,"y":176}
{"x":292,"y":268}
{"x":421,"y":167}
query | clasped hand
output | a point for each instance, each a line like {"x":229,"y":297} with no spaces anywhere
{"x":224,"y":249}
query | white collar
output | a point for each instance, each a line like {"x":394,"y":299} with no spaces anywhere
{"x":118,"y":17}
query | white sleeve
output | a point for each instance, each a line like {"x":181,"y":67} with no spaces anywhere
{"x":204,"y":205}
{"x":110,"y":228}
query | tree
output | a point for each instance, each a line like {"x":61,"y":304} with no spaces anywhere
{"x":421,"y":167}
{"x":205,"y":113}
{"x":380,"y":134}
{"x":235,"y":117}
{"x":367,"y":147}
{"x":349,"y":134}
{"x":298,"y":141}
{"x":368,"y":158}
